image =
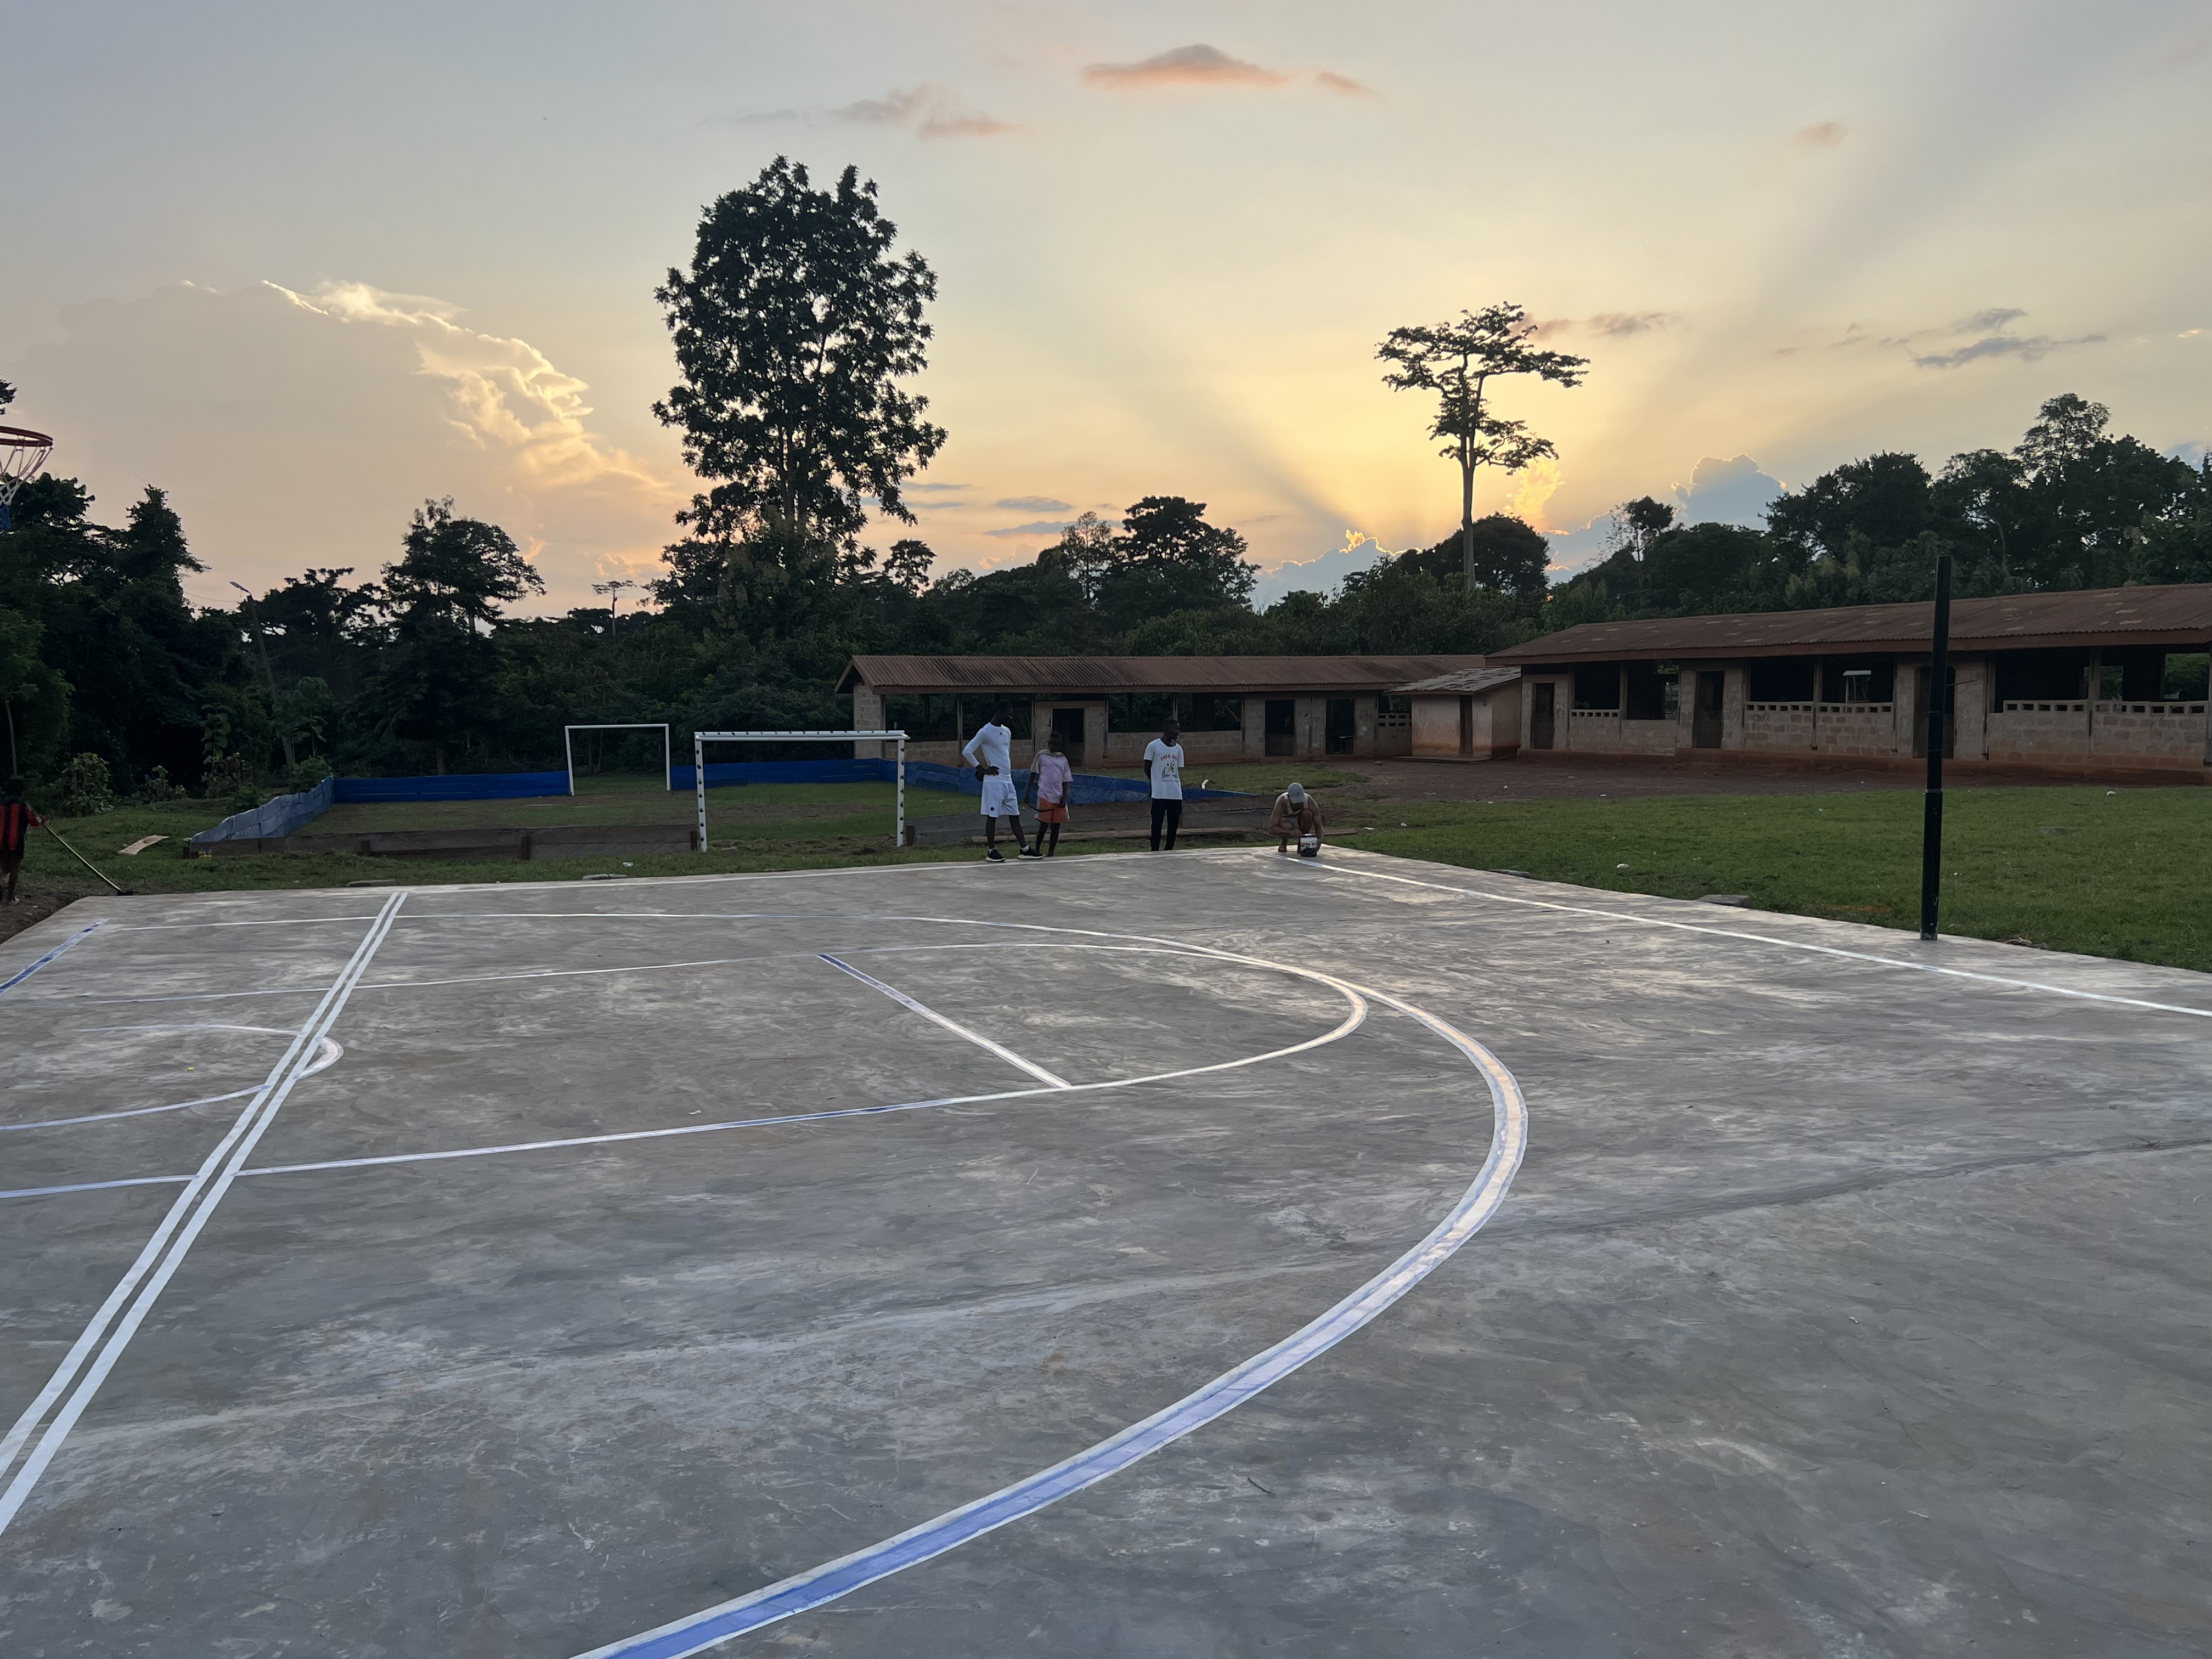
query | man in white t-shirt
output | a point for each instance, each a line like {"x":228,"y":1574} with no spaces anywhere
{"x":991,"y":752}
{"x":1163,"y":766}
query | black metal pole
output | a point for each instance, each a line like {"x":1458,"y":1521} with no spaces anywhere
{"x":1939,"y":709}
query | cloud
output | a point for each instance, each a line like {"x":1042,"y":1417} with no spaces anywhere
{"x":1613,"y":324}
{"x":1360,"y":552}
{"x":2192,"y":453}
{"x":1329,"y":80}
{"x":1184,"y":66}
{"x":2028,"y":348}
{"x":1982,"y":321}
{"x":1727,"y":492}
{"x":1034,"y":504}
{"x":1821,"y":135}
{"x":1042,"y":527}
{"x":928,"y":111}
{"x":302,"y":428}
{"x":930,"y":488}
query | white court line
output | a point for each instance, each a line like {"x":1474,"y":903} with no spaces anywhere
{"x":326,"y":1057}
{"x":951,"y":1025}
{"x":712,"y":1626}
{"x":1769,"y":939}
{"x":1344,"y":1028}
{"x":164,"y":1254}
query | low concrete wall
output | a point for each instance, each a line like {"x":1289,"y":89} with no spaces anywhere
{"x":589,"y":841}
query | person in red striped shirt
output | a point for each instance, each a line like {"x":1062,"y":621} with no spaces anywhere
{"x":17,"y":820}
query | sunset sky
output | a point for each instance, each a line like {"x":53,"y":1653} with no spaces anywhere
{"x":304,"y":266}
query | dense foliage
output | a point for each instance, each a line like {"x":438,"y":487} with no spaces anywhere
{"x":2072,"y":506}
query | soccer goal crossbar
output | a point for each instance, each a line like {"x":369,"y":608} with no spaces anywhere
{"x":701,"y":739}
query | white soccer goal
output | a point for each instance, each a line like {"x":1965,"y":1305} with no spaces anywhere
{"x":667,"y":758}
{"x":701,"y":739}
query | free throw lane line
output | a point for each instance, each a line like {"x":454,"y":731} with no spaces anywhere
{"x":125,"y":1309}
{"x":797,"y":1593}
{"x":951,"y":1025}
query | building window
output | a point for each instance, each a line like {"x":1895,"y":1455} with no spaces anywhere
{"x":1597,"y":685}
{"x":1780,"y":679}
{"x":1857,"y":679}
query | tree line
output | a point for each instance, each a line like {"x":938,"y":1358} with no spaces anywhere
{"x":794,"y":328}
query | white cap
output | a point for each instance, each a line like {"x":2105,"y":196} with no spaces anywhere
{"x":1297,"y":792}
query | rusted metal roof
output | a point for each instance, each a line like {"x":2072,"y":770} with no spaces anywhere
{"x":2180,"y":615}
{"x":1102,"y":675}
{"x":1472,"y":680}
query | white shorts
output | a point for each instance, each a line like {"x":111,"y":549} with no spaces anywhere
{"x":1000,"y":800}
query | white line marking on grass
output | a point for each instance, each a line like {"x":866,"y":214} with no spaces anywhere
{"x":951,"y":1025}
{"x":714,"y":1625}
{"x":1787,"y":944}
{"x":165,"y":1251}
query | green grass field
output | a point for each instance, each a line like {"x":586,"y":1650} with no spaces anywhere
{"x":2128,"y":879}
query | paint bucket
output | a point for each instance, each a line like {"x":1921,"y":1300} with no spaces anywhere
{"x":1308,"y":847}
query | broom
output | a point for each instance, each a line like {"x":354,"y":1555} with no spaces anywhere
{"x":81,"y":858}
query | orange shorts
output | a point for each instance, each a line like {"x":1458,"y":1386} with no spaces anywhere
{"x":1052,"y":811}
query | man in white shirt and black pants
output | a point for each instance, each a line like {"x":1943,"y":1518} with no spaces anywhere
{"x":991,"y":752}
{"x":1163,"y":766}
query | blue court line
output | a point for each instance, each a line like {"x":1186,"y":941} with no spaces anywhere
{"x":9,"y":983}
{"x":806,"y":1590}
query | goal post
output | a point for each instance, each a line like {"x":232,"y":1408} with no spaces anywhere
{"x":701,"y":739}
{"x":667,"y":754}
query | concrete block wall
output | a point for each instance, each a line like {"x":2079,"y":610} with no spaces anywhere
{"x":1647,"y":737}
{"x":2155,"y":732}
{"x":1863,"y":730}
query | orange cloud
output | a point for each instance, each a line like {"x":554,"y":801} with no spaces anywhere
{"x":1184,"y":66}
{"x":1821,"y":135}
{"x":1342,"y":83}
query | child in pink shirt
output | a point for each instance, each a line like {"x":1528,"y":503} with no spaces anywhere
{"x":1052,"y":775}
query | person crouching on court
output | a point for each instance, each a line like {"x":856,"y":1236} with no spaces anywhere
{"x":1163,"y":766}
{"x":1295,"y":818}
{"x":17,"y":820}
{"x":991,"y":752}
{"x":1053,"y":778}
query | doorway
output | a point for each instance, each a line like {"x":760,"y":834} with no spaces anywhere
{"x":1705,"y":719}
{"x":1543,"y":700}
{"x":1467,"y":726}
{"x":1067,"y":726}
{"x":1339,"y":725}
{"x":1282,"y":726}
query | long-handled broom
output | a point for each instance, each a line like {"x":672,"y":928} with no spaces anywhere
{"x":85,"y":861}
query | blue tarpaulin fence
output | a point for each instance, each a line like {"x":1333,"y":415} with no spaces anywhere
{"x":288,"y":815}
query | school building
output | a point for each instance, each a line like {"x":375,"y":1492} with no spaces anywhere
{"x":2103,"y":682}
{"x":1106,"y":709}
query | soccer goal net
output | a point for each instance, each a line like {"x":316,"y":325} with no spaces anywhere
{"x":619,"y":757}
{"x":701,"y":739}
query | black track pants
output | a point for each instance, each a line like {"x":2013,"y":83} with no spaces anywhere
{"x":1169,"y":813}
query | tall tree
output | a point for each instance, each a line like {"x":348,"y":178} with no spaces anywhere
{"x":1511,"y":556}
{"x":1457,"y":362}
{"x":435,"y":684}
{"x":1168,"y":558}
{"x":793,"y":327}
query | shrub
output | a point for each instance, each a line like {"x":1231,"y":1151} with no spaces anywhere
{"x":86,"y":786}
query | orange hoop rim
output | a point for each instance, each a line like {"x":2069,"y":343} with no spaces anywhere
{"x":21,"y":437}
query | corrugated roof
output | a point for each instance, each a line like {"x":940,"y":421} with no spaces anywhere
{"x":2177,"y":615}
{"x":1478,"y":679}
{"x":1074,"y":676}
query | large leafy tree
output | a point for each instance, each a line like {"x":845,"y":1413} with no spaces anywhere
{"x":1456,"y":362}
{"x":793,"y":327}
{"x":1168,"y":558}
{"x":1511,"y":556}
{"x":436,"y":684}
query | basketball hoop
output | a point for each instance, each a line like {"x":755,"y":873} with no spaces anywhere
{"x":22,"y":453}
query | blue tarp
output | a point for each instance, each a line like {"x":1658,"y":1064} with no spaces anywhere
{"x":286,"y":815}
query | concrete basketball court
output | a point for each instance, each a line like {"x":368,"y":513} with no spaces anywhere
{"x":1489,"y":1267}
